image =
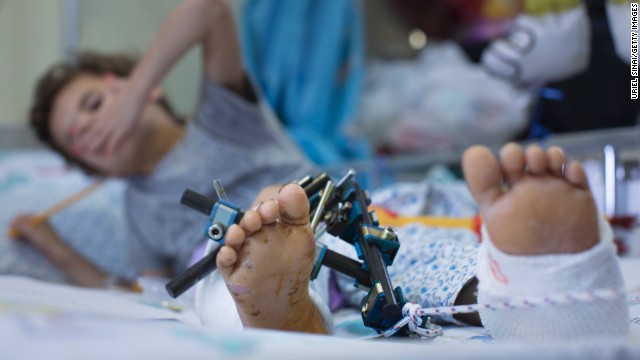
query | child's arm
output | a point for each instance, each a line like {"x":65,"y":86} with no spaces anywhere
{"x":209,"y":23}
{"x":44,"y":238}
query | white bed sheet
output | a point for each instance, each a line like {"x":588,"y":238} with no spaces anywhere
{"x":54,"y":321}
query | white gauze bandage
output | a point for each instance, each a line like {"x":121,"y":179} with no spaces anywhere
{"x":503,"y":277}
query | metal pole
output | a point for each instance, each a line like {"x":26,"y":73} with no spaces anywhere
{"x":610,"y":167}
{"x":70,"y":27}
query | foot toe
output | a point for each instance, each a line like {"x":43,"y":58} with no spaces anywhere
{"x":251,"y":222}
{"x":293,"y":205}
{"x":574,"y":173}
{"x":225,"y":260}
{"x":556,"y":159}
{"x":512,"y":160}
{"x":268,"y":211}
{"x":483,"y":175}
{"x":536,"y":160}
{"x":235,"y":237}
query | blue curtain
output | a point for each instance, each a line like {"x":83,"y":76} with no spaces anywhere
{"x":308,"y":57}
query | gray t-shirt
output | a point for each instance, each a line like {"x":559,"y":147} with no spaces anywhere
{"x":229,"y":139}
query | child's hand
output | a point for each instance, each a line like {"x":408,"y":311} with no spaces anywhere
{"x":117,"y":117}
{"x":39,"y":234}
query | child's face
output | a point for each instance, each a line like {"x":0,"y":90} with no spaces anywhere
{"x":77,"y":103}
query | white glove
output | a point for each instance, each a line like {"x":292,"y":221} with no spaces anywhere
{"x":550,"y":41}
{"x":619,"y":16}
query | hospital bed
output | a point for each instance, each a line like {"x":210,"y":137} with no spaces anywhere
{"x":48,"y":319}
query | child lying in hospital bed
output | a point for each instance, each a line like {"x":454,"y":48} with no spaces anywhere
{"x":153,"y":220}
{"x":110,"y":118}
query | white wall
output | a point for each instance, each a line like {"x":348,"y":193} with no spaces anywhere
{"x":30,"y":40}
{"x":126,"y":25}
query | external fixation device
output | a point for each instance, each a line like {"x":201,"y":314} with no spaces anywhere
{"x":340,"y":209}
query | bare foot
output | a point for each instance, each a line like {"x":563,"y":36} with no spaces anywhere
{"x":532,"y":202}
{"x":266,"y":263}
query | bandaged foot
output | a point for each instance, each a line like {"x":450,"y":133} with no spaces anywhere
{"x":619,"y":17}
{"x":542,"y":236}
{"x":266,"y":263}
{"x":547,"y":207}
{"x":550,"y":41}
